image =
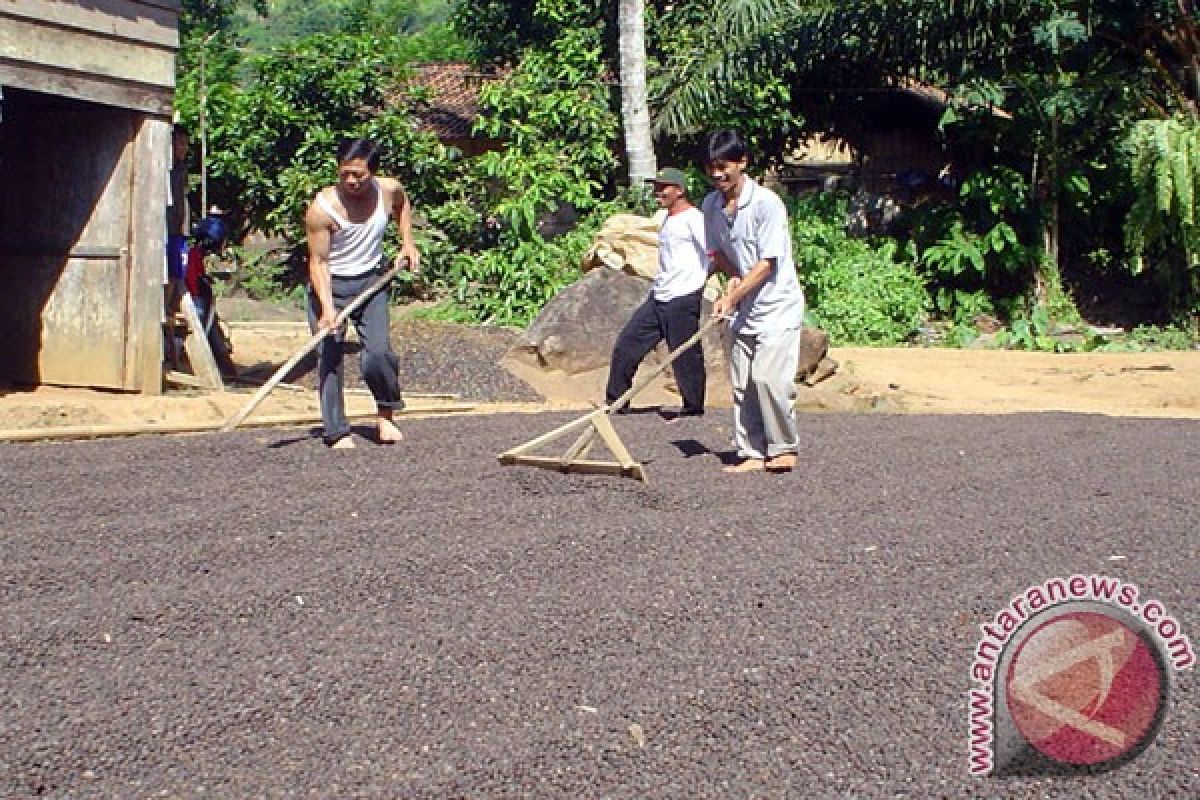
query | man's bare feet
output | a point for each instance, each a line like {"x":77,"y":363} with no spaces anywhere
{"x":749,"y":465}
{"x":784,"y":462}
{"x":388,"y":432}
{"x":344,"y":443}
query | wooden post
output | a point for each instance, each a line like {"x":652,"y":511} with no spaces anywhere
{"x":199,"y":354}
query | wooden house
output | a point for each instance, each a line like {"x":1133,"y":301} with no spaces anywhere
{"x":887,"y":143}
{"x":85,"y":123}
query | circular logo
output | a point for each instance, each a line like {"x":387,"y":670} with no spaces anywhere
{"x":1086,"y":689}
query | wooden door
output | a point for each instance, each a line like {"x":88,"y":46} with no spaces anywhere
{"x":66,"y":172}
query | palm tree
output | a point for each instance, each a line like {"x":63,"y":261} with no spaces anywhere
{"x":635,"y":109}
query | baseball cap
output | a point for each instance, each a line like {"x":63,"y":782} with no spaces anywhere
{"x":670,"y":175}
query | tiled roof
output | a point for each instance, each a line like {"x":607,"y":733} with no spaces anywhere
{"x":454,"y":97}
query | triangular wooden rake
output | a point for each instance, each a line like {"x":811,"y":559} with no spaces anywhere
{"x":595,"y":424}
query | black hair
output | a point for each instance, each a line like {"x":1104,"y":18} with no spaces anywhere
{"x":725,"y":146}
{"x":366,"y":149}
{"x":179,"y":129}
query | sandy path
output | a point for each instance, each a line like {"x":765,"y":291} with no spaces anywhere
{"x":892,"y":380}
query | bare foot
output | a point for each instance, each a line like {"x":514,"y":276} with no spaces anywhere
{"x":749,"y":465}
{"x":388,"y":432}
{"x":344,"y":443}
{"x":784,"y":462}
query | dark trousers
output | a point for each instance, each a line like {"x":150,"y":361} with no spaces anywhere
{"x":380,"y":366}
{"x":676,"y":321}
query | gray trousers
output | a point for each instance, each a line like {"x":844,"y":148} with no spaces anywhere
{"x":762,"y":370}
{"x":379,"y":364}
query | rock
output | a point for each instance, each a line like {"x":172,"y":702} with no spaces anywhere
{"x":814,"y":364}
{"x":825,"y":368}
{"x":576,"y":330}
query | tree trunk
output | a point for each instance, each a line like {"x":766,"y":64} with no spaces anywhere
{"x":635,"y":110}
{"x":1048,"y":288}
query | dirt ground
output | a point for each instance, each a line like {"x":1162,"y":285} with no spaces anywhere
{"x":869,"y":379}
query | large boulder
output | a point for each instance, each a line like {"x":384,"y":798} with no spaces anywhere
{"x":576,"y":330}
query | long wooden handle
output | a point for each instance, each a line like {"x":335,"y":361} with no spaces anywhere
{"x":311,"y":345}
{"x":624,"y":399}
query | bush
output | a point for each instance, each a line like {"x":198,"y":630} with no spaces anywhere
{"x":509,"y":284}
{"x":857,"y":291}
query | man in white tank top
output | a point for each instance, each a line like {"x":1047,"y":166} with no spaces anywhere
{"x":345,"y":225}
{"x":672,"y":310}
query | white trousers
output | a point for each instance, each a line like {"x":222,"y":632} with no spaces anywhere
{"x":762,"y":370}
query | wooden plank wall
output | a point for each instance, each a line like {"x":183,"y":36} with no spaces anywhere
{"x":146,"y":246}
{"x":115,"y":52}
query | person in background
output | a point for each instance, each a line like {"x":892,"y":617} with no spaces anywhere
{"x":209,"y":237}
{"x":672,"y":310}
{"x":178,"y":217}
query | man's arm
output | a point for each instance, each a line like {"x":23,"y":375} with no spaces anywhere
{"x":317,"y":225}
{"x":402,"y":213}
{"x":738,"y":289}
{"x":717,"y":260}
{"x":720,"y":263}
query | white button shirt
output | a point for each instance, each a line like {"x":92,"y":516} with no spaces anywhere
{"x":682,"y":256}
{"x":757,"y":231}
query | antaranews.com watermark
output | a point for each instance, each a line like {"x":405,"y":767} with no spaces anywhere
{"x":1073,"y":673}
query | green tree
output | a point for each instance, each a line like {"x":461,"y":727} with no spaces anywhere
{"x":635,"y":109}
{"x":272,"y":134}
{"x":554,"y":113}
{"x":1075,"y":77}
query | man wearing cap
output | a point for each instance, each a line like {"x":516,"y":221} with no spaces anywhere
{"x":672,"y":310}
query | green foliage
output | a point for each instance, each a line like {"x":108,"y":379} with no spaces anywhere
{"x":272,"y":138}
{"x":201,"y":18}
{"x":509,"y":284}
{"x":423,"y":24}
{"x":555,"y":116}
{"x":860,"y":293}
{"x":1150,"y":338}
{"x":979,"y":237}
{"x":1032,"y":332}
{"x":1164,"y":155}
{"x":973,"y":248}
{"x":447,"y":311}
{"x":260,"y":274}
{"x":501,"y":31}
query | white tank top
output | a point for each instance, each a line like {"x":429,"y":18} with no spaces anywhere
{"x":356,"y":248}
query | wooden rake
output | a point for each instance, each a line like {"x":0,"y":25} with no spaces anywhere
{"x":594,"y":424}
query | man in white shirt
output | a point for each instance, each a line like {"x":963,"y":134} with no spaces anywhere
{"x":345,"y":225}
{"x":672,"y":310}
{"x":746,"y":226}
